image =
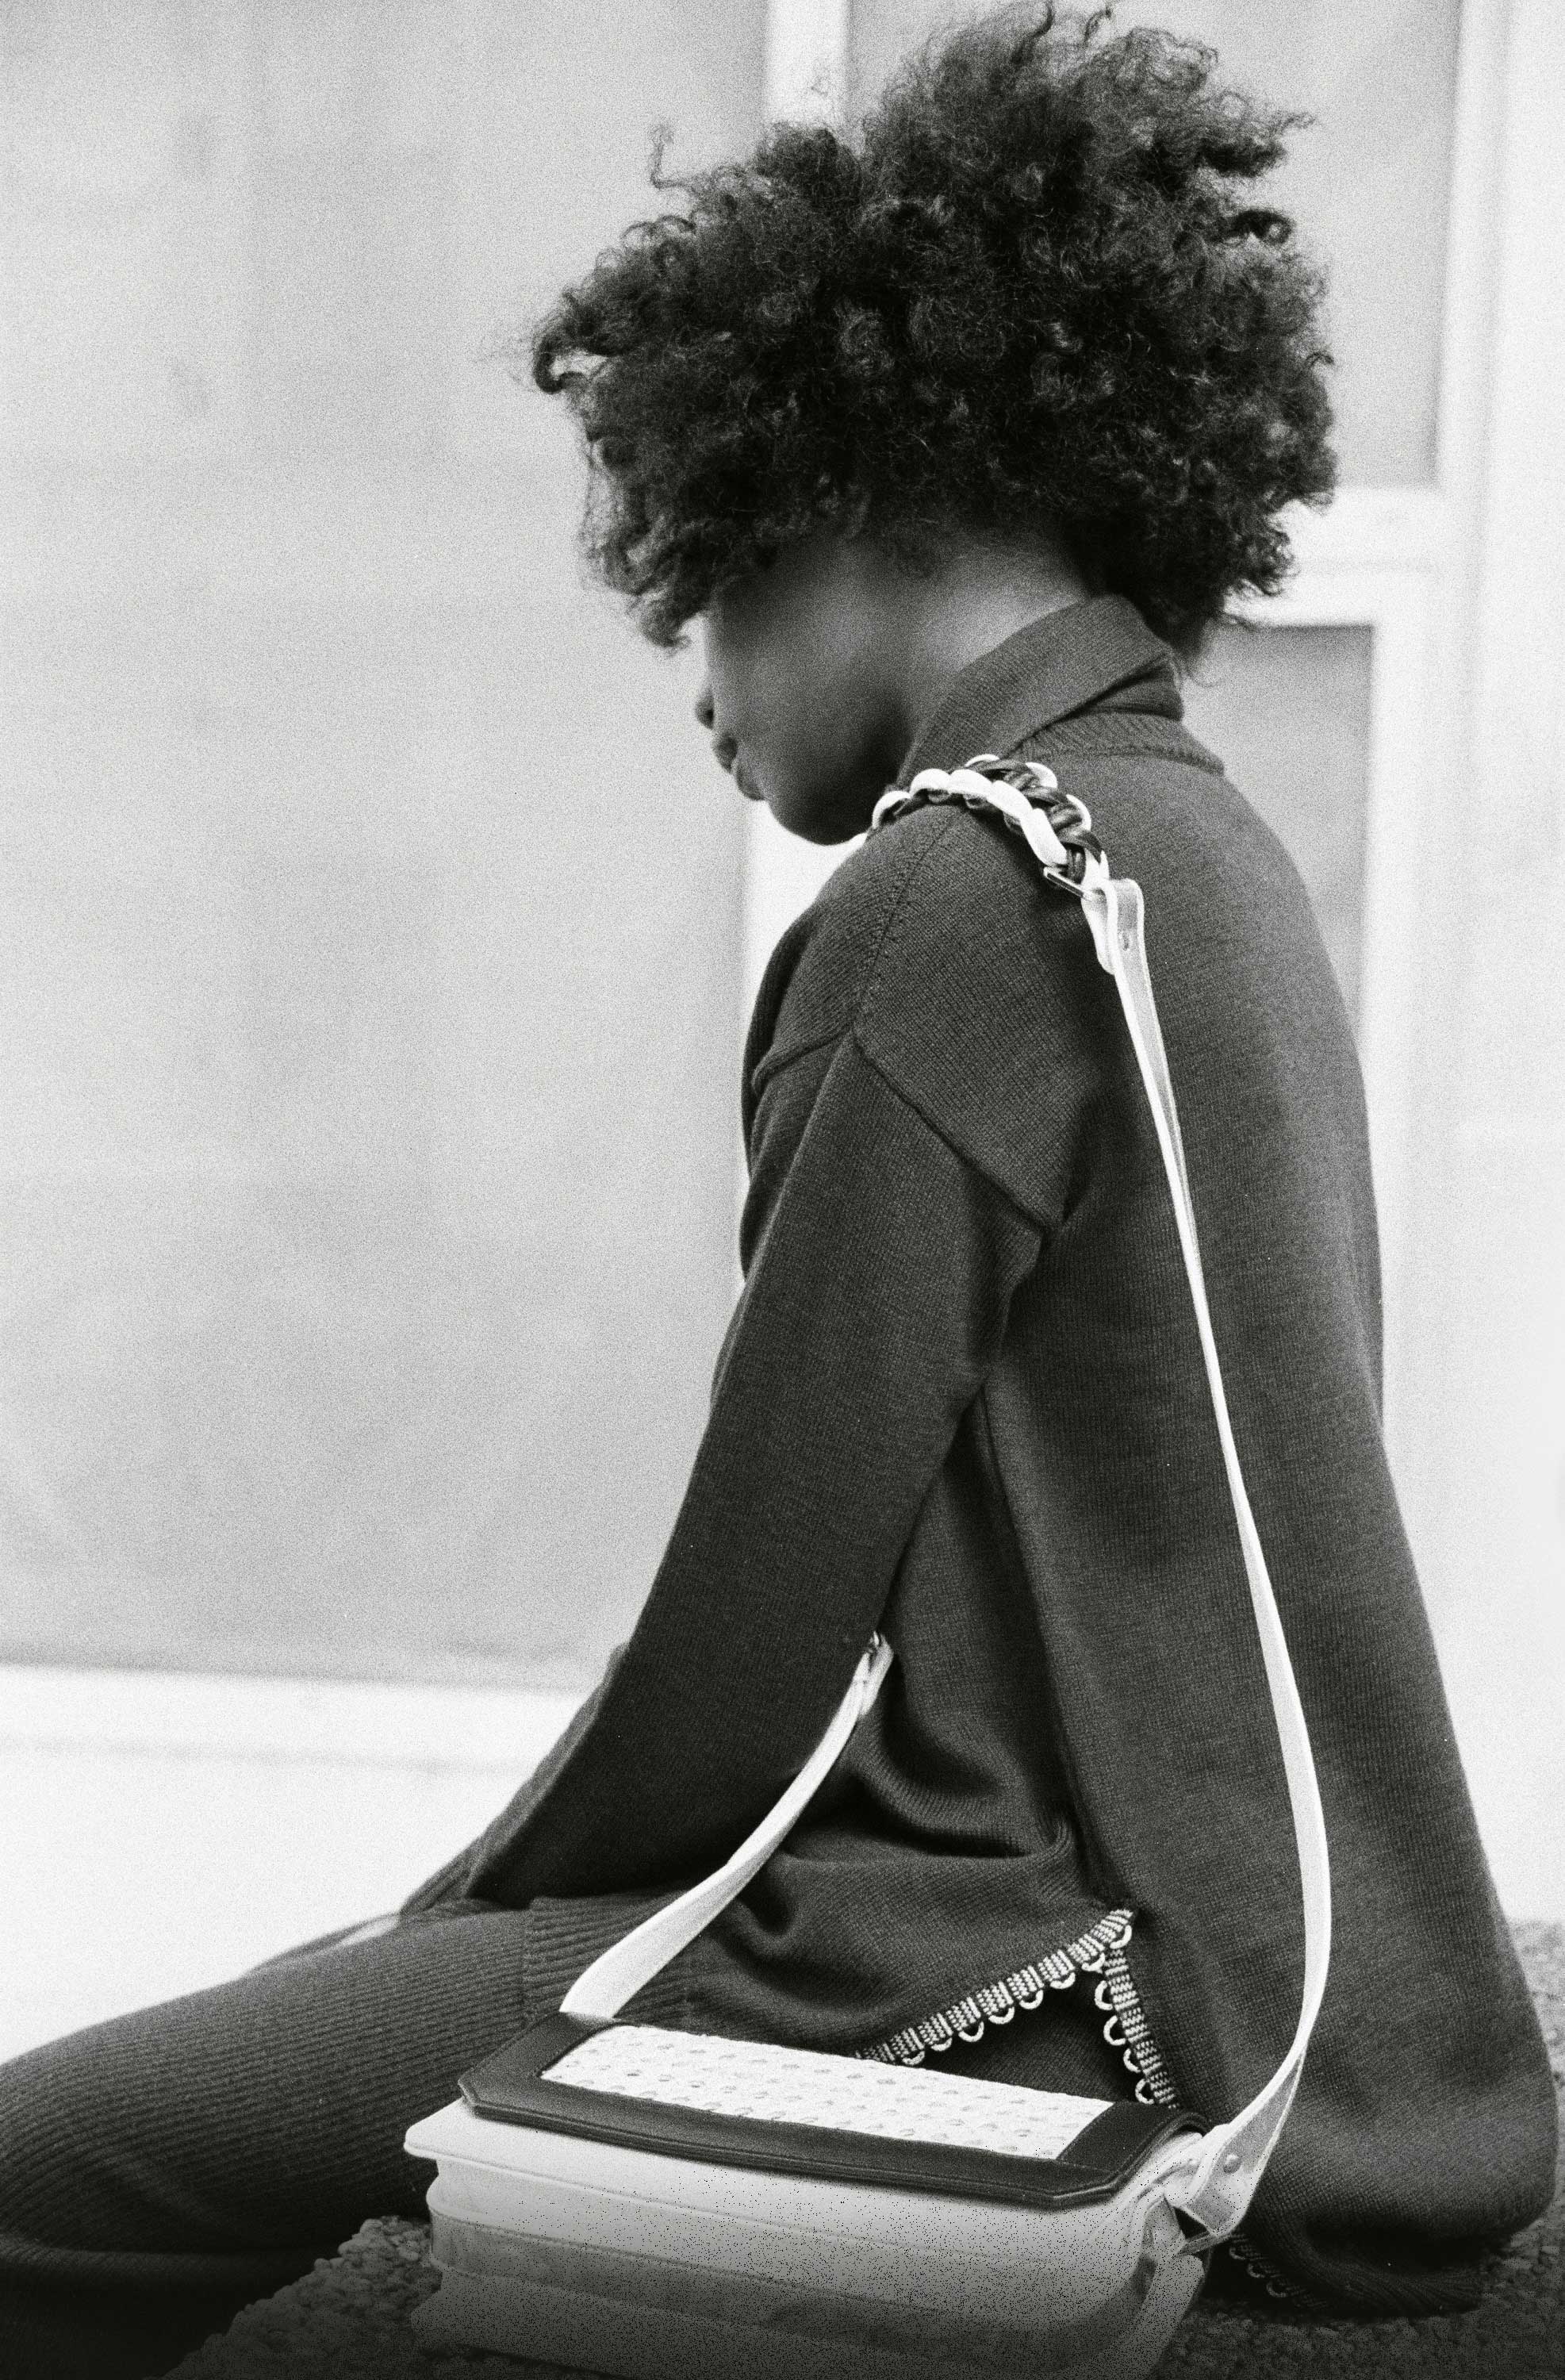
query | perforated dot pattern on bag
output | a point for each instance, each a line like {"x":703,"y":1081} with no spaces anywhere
{"x":771,"y":2084}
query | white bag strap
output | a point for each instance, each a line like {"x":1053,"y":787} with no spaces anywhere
{"x":1229,"y":2160}
{"x":1233,"y":2155}
{"x":602,"y":1989}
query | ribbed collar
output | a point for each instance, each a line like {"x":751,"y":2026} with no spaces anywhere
{"x":1097,"y":654}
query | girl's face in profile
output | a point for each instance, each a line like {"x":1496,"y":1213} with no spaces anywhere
{"x":798,"y":698}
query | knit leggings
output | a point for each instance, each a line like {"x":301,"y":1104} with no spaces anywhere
{"x":159,"y":2172}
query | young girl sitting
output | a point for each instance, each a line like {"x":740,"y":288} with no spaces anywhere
{"x":957,"y":438}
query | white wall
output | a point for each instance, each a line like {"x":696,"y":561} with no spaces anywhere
{"x":369,"y":921}
{"x":163,"y":1832}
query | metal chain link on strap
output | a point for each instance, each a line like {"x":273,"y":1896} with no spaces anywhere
{"x":1056,"y":827}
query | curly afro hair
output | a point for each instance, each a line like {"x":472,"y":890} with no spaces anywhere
{"x":1031,"y":297}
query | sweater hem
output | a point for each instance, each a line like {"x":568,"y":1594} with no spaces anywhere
{"x":969,"y":2017}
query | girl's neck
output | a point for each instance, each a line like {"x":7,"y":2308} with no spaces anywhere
{"x":931,"y":627}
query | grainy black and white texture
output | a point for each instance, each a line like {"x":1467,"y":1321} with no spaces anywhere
{"x":372,"y":926}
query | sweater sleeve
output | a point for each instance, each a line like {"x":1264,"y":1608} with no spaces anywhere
{"x":881,"y":1268}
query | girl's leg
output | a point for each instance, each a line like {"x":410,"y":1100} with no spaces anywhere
{"x":164,"y":2169}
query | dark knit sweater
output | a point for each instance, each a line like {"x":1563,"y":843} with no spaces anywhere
{"x":962,"y":1398}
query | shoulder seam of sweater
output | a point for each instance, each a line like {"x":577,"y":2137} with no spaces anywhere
{"x":965,"y":1156}
{"x":905,"y":1098}
{"x":858,"y":1023}
{"x":919,"y":860}
{"x":777,"y":1061}
{"x":894,"y":917}
{"x":773,"y":1060}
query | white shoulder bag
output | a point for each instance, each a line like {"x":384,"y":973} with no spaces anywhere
{"x":666,"y":2205}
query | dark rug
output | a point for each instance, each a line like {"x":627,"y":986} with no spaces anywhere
{"x":348,"y":2319}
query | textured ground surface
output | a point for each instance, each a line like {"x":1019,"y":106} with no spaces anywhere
{"x":348,"y":2319}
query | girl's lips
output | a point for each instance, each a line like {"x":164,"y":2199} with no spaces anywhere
{"x":726,"y":755}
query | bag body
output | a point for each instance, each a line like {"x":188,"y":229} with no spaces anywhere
{"x":706,"y":2254}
